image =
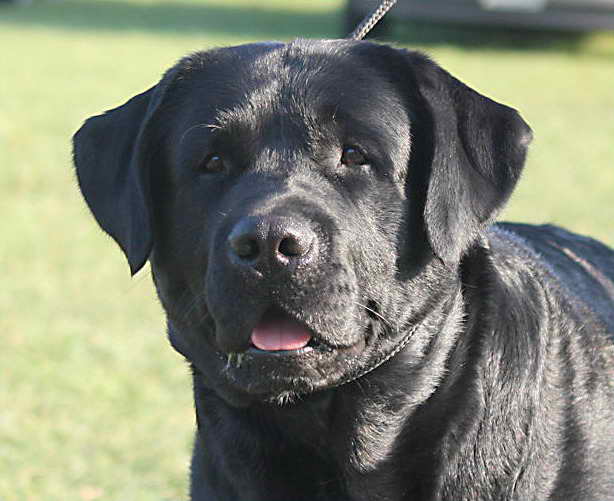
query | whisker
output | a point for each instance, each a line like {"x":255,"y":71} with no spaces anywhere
{"x":198,"y":126}
{"x":383,"y":319}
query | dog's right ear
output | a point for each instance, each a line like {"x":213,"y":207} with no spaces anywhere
{"x":111,"y":153}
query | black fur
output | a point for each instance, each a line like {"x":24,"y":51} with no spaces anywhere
{"x":452,"y":359}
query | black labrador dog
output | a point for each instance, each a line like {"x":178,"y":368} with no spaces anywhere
{"x":318,"y":219}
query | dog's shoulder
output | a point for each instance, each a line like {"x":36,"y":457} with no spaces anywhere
{"x":575,"y":266}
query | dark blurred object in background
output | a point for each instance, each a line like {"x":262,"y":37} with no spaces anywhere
{"x":572,"y":15}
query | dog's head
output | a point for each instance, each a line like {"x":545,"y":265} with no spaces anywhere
{"x":300,"y":203}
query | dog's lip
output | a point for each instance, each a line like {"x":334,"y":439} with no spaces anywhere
{"x":252,"y":350}
{"x":300,"y":338}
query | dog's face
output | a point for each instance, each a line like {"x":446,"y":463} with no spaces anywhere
{"x":300,"y":204}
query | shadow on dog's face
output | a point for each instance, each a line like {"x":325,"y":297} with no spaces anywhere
{"x":301,"y":204}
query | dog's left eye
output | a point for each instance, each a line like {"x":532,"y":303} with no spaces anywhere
{"x":352,"y":157}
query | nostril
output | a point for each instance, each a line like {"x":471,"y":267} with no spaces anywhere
{"x":292,"y":246}
{"x":245,"y":247}
{"x":261,"y":242}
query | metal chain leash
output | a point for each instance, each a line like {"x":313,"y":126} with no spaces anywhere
{"x":371,"y":20}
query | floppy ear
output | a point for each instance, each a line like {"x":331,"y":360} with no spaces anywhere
{"x":110,"y":154}
{"x":478,"y":152}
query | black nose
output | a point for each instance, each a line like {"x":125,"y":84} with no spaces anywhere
{"x":276,"y":240}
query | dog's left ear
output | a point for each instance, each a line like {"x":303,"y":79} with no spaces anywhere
{"x":478,"y":148}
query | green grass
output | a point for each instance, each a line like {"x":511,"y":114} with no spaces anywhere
{"x":94,"y":404}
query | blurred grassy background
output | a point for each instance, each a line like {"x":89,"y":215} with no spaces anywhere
{"x":94,"y":404}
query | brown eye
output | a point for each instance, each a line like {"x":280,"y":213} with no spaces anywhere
{"x":352,"y":157}
{"x":214,"y":163}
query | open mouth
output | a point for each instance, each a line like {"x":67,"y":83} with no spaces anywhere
{"x":279,"y":338}
{"x":293,"y":356}
{"x":279,"y":334}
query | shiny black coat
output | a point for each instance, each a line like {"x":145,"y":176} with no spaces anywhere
{"x":450,"y":359}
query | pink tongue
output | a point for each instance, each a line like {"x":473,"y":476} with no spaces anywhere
{"x":280,"y":334}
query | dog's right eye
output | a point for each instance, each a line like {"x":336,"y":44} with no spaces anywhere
{"x":213,"y":163}
{"x":352,"y":157}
